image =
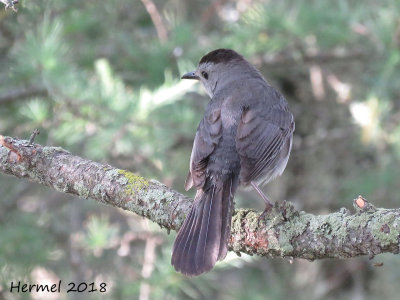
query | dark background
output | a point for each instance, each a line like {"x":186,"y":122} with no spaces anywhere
{"x":101,"y":79}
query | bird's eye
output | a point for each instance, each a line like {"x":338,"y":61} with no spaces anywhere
{"x":204,"y":74}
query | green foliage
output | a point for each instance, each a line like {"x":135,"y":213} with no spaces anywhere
{"x":99,"y":233}
{"x":111,"y":91}
{"x":23,"y":244}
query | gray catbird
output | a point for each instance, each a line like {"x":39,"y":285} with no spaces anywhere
{"x":245,"y":137}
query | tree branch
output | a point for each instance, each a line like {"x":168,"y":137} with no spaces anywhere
{"x":321,"y":57}
{"x":23,"y":93}
{"x":157,"y":20}
{"x":285,"y":232}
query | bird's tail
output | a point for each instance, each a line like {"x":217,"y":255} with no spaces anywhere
{"x":203,"y":237}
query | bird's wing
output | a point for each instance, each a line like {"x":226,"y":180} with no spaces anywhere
{"x":261,"y":136}
{"x":207,"y":137}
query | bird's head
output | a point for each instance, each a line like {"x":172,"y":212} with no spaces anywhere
{"x":219,"y":67}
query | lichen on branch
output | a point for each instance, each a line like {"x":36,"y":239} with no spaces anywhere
{"x":284,"y":232}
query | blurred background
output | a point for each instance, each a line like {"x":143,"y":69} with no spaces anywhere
{"x":101,"y":79}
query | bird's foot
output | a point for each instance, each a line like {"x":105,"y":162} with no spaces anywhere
{"x":268,"y":204}
{"x":268,"y":207}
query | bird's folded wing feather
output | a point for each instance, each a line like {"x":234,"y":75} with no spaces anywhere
{"x":207,"y":136}
{"x":261,"y":135}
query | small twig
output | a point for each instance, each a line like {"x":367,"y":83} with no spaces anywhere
{"x":361,"y":204}
{"x":317,"y":82}
{"x":157,"y":20}
{"x":33,"y":136}
{"x":148,"y":266}
{"x":323,"y":57}
{"x":10,"y":4}
{"x":23,"y":93}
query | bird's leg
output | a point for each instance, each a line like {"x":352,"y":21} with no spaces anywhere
{"x":268,"y":204}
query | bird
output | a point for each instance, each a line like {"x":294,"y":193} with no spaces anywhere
{"x":244,"y":138}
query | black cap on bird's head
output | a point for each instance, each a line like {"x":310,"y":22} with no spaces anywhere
{"x":220,"y":56}
{"x":215,"y":57}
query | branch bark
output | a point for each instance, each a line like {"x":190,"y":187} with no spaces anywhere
{"x":23,"y":93}
{"x":285,"y":232}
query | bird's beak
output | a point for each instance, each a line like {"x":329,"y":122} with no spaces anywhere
{"x":190,"y":75}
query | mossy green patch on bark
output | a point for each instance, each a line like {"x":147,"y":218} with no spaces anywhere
{"x":133,"y":183}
